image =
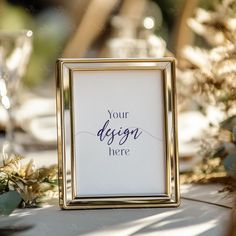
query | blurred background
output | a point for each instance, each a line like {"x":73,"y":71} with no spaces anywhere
{"x":82,"y":28}
{"x":199,"y":33}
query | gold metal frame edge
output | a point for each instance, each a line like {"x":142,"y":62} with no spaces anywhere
{"x":69,"y":204}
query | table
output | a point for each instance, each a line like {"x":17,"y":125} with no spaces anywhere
{"x":203,"y":211}
{"x":193,"y":217}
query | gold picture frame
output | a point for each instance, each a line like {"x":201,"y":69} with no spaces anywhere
{"x":67,"y":71}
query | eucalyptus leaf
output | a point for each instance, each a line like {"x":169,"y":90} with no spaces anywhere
{"x":229,"y":123}
{"x":9,"y":202}
{"x":230,"y":148}
{"x":234,"y":133}
{"x":230,"y":164}
{"x":220,"y":151}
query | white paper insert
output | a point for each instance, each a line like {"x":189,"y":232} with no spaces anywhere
{"x":128,"y":159}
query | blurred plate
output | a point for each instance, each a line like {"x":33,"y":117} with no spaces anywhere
{"x":43,"y":129}
{"x":35,"y":107}
{"x":37,"y":116}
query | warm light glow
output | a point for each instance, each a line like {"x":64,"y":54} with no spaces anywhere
{"x":29,"y":33}
{"x":3,"y":89}
{"x":6,"y":102}
{"x":148,"y":23}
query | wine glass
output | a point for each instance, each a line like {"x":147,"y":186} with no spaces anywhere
{"x":15,"y":51}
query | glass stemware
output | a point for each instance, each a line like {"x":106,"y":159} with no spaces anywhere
{"x":15,"y":51}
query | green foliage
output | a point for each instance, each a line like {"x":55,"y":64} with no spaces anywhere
{"x":230,"y":164}
{"x":9,"y":201}
{"x":48,"y":38}
{"x":31,"y":184}
{"x":230,"y":146}
{"x":208,"y":75}
{"x":226,"y":147}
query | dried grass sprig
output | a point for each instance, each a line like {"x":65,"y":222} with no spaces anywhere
{"x":30,"y":182}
